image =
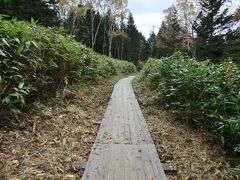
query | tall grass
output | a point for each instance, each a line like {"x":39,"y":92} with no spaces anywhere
{"x":35,"y":62}
{"x":206,"y":95}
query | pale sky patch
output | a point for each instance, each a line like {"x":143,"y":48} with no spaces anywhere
{"x":147,"y":22}
{"x":149,"y":13}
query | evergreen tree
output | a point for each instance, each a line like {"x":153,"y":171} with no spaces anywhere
{"x":151,"y":44}
{"x":45,"y":12}
{"x":232,"y":47}
{"x":170,"y":37}
{"x":135,"y":49}
{"x":233,"y":40}
{"x":211,"y":27}
{"x":83,"y":32}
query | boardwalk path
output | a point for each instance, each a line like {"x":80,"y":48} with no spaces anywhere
{"x":123,"y":149}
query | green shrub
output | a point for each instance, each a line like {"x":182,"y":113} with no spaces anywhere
{"x":35,"y":62}
{"x":208,"y":94}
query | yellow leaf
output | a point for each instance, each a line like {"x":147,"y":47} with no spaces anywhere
{"x":65,"y":80}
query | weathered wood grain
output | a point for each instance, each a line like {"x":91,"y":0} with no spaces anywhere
{"x":123,"y":149}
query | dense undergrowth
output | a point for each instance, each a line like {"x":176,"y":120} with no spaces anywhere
{"x":204,"y":94}
{"x":36,"y":62}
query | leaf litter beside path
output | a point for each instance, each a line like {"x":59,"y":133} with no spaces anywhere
{"x":186,"y":152}
{"x":54,"y":140}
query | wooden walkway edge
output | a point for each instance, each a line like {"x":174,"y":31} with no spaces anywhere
{"x":123,"y":149}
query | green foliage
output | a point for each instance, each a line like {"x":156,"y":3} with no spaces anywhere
{"x":237,"y":148}
{"x":208,"y":94}
{"x":134,"y":49}
{"x":35,"y":62}
{"x":235,"y":171}
{"x":46,"y":12}
{"x":170,"y":37}
{"x":233,"y":46}
{"x":211,"y":26}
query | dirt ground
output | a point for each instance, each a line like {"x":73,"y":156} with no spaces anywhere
{"x":184,"y":150}
{"x":54,"y":140}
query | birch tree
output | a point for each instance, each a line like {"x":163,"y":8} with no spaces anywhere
{"x":117,"y":10}
{"x":96,"y":7}
{"x":120,"y":37}
{"x":187,"y":13}
{"x":72,"y":10}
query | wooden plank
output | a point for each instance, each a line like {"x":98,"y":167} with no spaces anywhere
{"x":124,"y":162}
{"x":123,"y":149}
{"x":116,"y":127}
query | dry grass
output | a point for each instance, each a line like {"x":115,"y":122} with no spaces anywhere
{"x":54,"y":141}
{"x":178,"y":145}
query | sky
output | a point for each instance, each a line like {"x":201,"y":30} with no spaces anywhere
{"x":149,"y":13}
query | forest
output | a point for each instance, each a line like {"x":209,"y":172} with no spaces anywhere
{"x":201,"y":29}
{"x":55,"y":54}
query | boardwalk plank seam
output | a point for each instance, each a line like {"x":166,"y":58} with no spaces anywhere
{"x":123,"y":149}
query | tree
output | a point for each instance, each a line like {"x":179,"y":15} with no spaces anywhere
{"x":105,"y":34}
{"x":233,"y":39}
{"x":45,"y":12}
{"x":211,"y":26}
{"x":97,"y":8}
{"x":151,"y":43}
{"x":187,"y":13}
{"x":171,"y":35}
{"x":73,"y":11}
{"x":116,"y":11}
{"x":135,"y":48}
{"x":83,"y":32}
{"x":236,"y":17}
{"x":120,"y":38}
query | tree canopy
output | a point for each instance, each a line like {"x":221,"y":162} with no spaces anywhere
{"x":202,"y":29}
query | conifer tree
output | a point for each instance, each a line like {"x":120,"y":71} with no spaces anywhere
{"x":170,"y":36}
{"x":45,"y":12}
{"x":211,"y":27}
{"x":136,"y":42}
{"x":233,"y":39}
{"x":151,"y":44}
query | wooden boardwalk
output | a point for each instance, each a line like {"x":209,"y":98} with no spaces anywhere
{"x":123,"y":149}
